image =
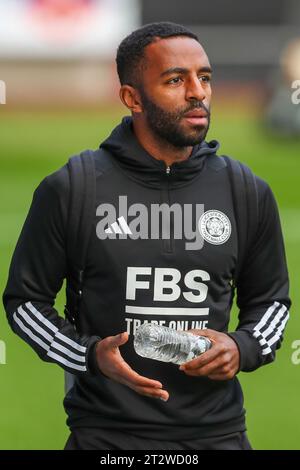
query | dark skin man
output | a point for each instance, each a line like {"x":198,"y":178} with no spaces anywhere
{"x":170,"y":109}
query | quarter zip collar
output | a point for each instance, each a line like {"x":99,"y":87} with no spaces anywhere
{"x":134,"y":160}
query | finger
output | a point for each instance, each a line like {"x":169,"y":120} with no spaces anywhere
{"x":124,"y":372}
{"x":148,"y":392}
{"x":223,"y":369}
{"x":207,"y":333}
{"x":202,"y":360}
{"x":121,"y":369}
{"x":113,"y":342}
{"x":119,"y":340}
{"x":212,"y":367}
{"x":223,"y":373}
{"x":129,"y":375}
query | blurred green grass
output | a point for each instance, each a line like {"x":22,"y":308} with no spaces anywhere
{"x":34,"y":144}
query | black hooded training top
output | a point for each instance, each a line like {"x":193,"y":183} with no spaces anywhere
{"x":136,"y":272}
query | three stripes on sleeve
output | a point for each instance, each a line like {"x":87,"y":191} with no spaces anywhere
{"x":45,"y":334}
{"x":270,"y":328}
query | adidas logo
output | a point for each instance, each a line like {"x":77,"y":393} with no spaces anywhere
{"x":117,"y":228}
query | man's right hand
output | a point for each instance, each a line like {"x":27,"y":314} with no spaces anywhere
{"x":111,"y":364}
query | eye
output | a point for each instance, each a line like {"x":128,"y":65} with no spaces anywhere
{"x":205,"y":78}
{"x":174,"y":80}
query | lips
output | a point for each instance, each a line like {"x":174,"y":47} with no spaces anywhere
{"x":197,"y":117}
{"x":196,"y":113}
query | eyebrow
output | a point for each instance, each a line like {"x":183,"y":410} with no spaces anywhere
{"x":184,"y":70}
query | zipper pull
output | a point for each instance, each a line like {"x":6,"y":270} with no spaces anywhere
{"x":168,"y":169}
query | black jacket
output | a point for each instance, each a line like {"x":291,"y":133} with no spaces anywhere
{"x":150,"y":275}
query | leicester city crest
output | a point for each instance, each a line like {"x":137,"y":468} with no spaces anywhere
{"x":215,"y":227}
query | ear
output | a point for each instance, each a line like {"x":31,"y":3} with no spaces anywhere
{"x":130,"y":97}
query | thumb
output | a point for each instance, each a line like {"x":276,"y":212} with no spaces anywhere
{"x":197,"y":332}
{"x":120,"y":339}
{"x":205,"y":332}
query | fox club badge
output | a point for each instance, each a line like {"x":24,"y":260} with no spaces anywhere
{"x":215,"y":227}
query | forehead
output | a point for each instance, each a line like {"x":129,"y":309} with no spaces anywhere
{"x":172,"y":52}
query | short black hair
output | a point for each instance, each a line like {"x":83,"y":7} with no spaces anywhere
{"x":131,"y":50}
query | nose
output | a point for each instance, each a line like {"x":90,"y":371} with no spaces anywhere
{"x":195,"y":90}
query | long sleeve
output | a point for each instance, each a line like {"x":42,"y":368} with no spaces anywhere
{"x":36,"y":275}
{"x":262,"y":290}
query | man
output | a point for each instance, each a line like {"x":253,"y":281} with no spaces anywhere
{"x":138,"y":273}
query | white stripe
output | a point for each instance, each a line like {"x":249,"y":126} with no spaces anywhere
{"x":67,"y":352}
{"x":276,"y":321}
{"x":267,"y":350}
{"x":275,"y":337}
{"x":116,"y":228}
{"x":50,"y":325}
{"x":262,"y":341}
{"x":29,"y":333}
{"x":266,"y":316}
{"x":35,"y":326}
{"x":41,"y":317}
{"x":166,"y":311}
{"x":279,"y":331}
{"x":46,"y":346}
{"x":271,"y":328}
{"x":71,"y":342}
{"x":124,"y":225}
{"x":65,"y":361}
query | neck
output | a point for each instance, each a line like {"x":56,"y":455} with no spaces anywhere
{"x":158,"y":148}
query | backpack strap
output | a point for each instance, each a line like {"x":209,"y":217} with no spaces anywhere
{"x":80,"y":217}
{"x":82,"y":205}
{"x":81,"y":212}
{"x":245,"y":203}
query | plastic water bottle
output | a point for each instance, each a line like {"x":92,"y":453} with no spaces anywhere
{"x":168,"y":345}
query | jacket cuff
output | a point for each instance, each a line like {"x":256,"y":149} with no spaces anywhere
{"x":92,"y":364}
{"x":249,"y":349}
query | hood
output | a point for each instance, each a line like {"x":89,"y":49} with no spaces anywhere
{"x":140,"y":165}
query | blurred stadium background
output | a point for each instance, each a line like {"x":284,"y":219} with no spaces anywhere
{"x":57,"y":61}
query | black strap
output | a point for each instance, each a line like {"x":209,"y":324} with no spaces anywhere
{"x":81,"y":213}
{"x":245,"y":202}
{"x":81,"y":216}
{"x":80,"y":220}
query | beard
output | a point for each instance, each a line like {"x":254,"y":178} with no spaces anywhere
{"x":167,"y":125}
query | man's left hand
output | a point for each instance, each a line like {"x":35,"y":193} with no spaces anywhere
{"x":220,"y":362}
